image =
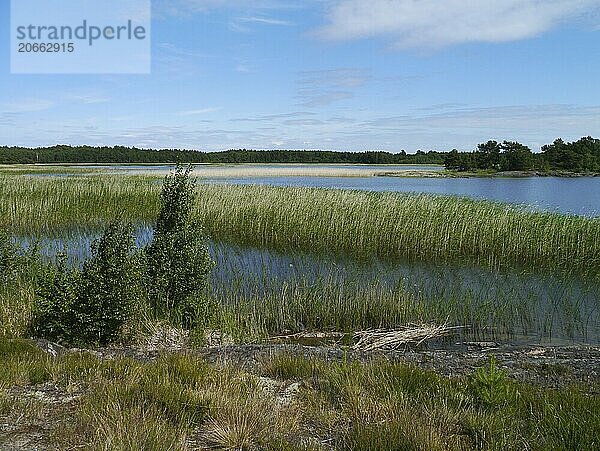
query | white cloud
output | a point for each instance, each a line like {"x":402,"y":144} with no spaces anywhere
{"x":264,"y":21}
{"x":438,"y":23}
{"x":198,"y":111}
{"x":242,"y":68}
{"x":26,"y":106}
{"x":89,"y":99}
{"x":187,"y":7}
{"x":324,"y":87}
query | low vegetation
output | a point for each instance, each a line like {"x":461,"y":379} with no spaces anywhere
{"x":291,"y":402}
{"x":119,"y":283}
{"x":69,"y":399}
{"x":93,"y":304}
{"x":395,"y":226}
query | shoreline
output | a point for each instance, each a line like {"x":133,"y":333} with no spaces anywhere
{"x":499,"y":174}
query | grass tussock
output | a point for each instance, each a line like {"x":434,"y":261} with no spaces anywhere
{"x":383,"y":405}
{"x":180,"y":402}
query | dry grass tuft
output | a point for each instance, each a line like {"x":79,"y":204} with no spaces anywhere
{"x":374,"y":340}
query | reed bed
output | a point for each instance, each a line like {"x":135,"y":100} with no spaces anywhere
{"x":257,"y":293}
{"x":228,"y":170}
{"x":58,"y":205}
{"x":394,"y":225}
{"x":362,"y":224}
{"x":248,"y":170}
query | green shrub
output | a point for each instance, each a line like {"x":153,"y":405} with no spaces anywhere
{"x":8,"y":258}
{"x":178,"y":260}
{"x":109,"y":285}
{"x":53,"y":310}
{"x":489,"y":386}
{"x":16,"y":263}
{"x":92,"y":305}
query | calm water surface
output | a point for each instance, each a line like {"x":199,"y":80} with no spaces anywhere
{"x":580,"y":196}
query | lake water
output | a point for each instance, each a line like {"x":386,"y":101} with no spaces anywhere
{"x":207,"y":167}
{"x":534,"y":306}
{"x":580,"y":196}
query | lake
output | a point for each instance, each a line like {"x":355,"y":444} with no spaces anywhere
{"x":511,"y":304}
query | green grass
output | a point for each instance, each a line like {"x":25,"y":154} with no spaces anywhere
{"x":392,"y":225}
{"x":180,"y":402}
{"x":56,"y":206}
{"x":385,"y":405}
{"x":365,"y":225}
{"x":16,"y":301}
{"x":248,"y":313}
{"x":250,"y":310}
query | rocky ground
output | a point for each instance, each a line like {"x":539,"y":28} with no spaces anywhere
{"x":550,"y":366}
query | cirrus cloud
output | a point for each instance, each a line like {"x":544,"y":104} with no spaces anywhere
{"x":439,"y":23}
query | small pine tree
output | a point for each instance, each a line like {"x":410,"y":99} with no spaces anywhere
{"x":178,"y":260}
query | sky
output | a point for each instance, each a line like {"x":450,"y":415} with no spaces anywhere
{"x":349,"y":75}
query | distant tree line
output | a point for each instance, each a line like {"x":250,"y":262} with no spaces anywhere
{"x":581,"y":156}
{"x":118,"y":154}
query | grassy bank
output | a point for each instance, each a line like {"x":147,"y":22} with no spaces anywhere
{"x":384,"y":225}
{"x":290,"y":402}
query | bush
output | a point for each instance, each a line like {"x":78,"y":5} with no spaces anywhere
{"x":109,"y":285}
{"x":53,"y":311}
{"x":178,"y":260}
{"x":92,"y":305}
{"x":8,"y":258}
{"x":17,"y":263}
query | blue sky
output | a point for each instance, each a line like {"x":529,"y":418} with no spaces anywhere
{"x":328,"y":74}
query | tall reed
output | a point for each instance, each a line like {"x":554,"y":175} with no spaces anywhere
{"x":364,"y":224}
{"x":394,"y":225}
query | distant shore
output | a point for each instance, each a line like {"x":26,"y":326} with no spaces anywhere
{"x":486,"y":174}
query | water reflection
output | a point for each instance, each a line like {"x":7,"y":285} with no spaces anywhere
{"x":542,"y":306}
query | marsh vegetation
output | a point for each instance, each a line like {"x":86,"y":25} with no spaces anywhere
{"x":104,"y":259}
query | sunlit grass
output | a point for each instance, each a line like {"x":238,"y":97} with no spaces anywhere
{"x":181,"y":402}
{"x":363,"y":224}
{"x":392,"y":225}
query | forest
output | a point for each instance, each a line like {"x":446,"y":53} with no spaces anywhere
{"x":582,"y":156}
{"x":119,"y":154}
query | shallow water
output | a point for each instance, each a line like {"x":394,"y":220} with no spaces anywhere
{"x":364,"y":167}
{"x":580,"y":195}
{"x":496,"y":303}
